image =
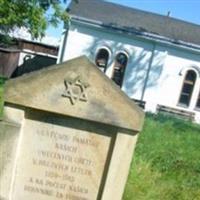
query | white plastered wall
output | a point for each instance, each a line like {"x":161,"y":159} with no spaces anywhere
{"x":87,"y":41}
{"x":176,"y":63}
{"x":167,"y":65}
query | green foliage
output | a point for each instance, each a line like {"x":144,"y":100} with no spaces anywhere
{"x":167,"y":161}
{"x":34,"y":15}
{"x":6,"y":41}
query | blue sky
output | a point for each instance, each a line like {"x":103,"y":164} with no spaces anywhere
{"x":187,"y":10}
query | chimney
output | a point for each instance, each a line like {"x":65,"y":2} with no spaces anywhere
{"x":168,"y":13}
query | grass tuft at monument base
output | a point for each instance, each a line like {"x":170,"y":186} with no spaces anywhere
{"x":166,"y":164}
{"x":2,"y":81}
{"x":1,"y":101}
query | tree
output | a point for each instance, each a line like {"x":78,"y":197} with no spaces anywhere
{"x":34,"y":15}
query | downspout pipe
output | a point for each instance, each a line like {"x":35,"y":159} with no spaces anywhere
{"x":64,"y":42}
{"x":148,"y":72}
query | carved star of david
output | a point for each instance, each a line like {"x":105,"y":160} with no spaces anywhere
{"x":75,"y":90}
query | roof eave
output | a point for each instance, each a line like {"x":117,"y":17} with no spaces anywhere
{"x":145,"y":35}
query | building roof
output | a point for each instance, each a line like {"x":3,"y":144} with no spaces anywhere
{"x":23,"y":34}
{"x":134,"y":20}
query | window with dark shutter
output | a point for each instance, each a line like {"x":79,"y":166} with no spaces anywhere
{"x":187,"y":88}
{"x":102,"y":59}
{"x":121,"y":61}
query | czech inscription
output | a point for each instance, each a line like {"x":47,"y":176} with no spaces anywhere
{"x":61,"y":163}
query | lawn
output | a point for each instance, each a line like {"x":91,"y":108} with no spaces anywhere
{"x":166,"y":164}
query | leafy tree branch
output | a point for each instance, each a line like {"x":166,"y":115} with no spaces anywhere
{"x":34,"y":15}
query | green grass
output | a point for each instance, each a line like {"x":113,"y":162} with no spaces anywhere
{"x":166,"y":164}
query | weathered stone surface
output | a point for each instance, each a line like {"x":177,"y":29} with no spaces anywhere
{"x":100,"y":101}
{"x":9,"y":134}
{"x":67,"y":161}
{"x":68,"y":133}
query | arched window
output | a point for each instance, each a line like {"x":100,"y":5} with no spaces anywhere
{"x":198,"y":101}
{"x":121,"y":61}
{"x":102,"y":59}
{"x":187,"y":89}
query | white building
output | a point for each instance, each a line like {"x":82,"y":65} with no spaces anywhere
{"x":155,"y":59}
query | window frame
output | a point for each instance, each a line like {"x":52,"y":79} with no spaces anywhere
{"x":191,"y":92}
{"x":198,"y":99}
{"x":97,"y":53}
{"x":113,"y":71}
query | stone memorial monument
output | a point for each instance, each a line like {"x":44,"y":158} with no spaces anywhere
{"x":68,"y":133}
